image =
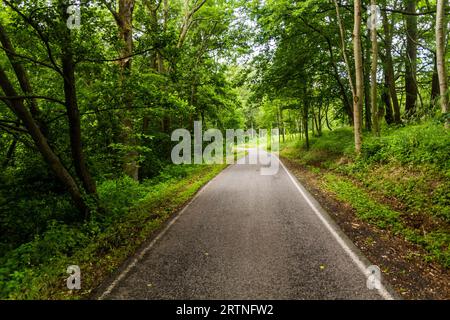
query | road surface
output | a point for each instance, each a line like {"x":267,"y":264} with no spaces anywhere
{"x":248,"y":236}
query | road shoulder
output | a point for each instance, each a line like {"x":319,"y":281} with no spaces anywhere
{"x":400,"y":261}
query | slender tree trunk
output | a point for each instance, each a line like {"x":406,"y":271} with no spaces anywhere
{"x":385,"y":96}
{"x":435,"y":90}
{"x":374,"y":69}
{"x":326,"y":117}
{"x":282,"y":128}
{"x":125,"y":24}
{"x":359,"y":88}
{"x":367,"y":87}
{"x":319,"y":119}
{"x":344,"y":48}
{"x":22,"y":77}
{"x":305,"y":117}
{"x":389,"y":70}
{"x":440,"y":56}
{"x":187,"y":20}
{"x":411,"y":56}
{"x":124,"y":21}
{"x":336,"y":74}
{"x":73,"y":113}
{"x":9,"y":158}
{"x":42,"y":145}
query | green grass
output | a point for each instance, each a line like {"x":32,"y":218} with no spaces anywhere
{"x":407,"y":166}
{"x":436,"y":243}
{"x":37,"y":269}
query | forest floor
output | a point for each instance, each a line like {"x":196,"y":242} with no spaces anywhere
{"x":409,"y":243}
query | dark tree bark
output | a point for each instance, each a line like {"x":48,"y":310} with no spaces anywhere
{"x":9,"y":158}
{"x":385,"y":96}
{"x":367,"y":100}
{"x":22,"y":77}
{"x":53,"y":161}
{"x":73,"y":115}
{"x":434,"y":83}
{"x":411,"y":59}
{"x":343,"y":92}
{"x":326,"y":117}
{"x":124,"y":21}
{"x":305,"y":115}
{"x":389,"y":69}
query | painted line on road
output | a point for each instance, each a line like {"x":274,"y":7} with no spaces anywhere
{"x":354,"y":256}
{"x":142,"y":253}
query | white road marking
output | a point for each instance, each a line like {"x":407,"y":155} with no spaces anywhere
{"x":141,"y":254}
{"x":354,"y":257}
{"x":360,"y":264}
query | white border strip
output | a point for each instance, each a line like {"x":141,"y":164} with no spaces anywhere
{"x":359,"y":263}
{"x":142,"y":253}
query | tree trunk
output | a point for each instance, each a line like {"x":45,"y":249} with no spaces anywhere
{"x":336,"y":75}
{"x":411,"y":56}
{"x":440,"y":56}
{"x":187,"y":20}
{"x":367,"y":87}
{"x":326,"y":117}
{"x":282,"y":128}
{"x":305,"y":116}
{"x":435,"y":90}
{"x":9,"y":158}
{"x":389,"y":70}
{"x":53,"y":161}
{"x":124,"y":19}
{"x":73,"y":113}
{"x":22,"y":77}
{"x":373,"y":73}
{"x":359,"y":87}
{"x":385,"y":97}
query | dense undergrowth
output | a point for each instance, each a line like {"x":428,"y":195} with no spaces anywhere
{"x":400,"y":182}
{"x":36,"y":269}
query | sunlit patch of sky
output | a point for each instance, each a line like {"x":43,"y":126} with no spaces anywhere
{"x":242,"y":20}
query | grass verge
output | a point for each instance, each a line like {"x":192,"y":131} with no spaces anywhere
{"x":400,"y":182}
{"x":37,"y":269}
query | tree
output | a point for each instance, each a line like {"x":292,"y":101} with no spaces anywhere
{"x":389,"y":70}
{"x":359,"y":82}
{"x":124,"y":20}
{"x":374,"y":68}
{"x":18,"y":108}
{"x":440,"y":56}
{"x":411,"y":58}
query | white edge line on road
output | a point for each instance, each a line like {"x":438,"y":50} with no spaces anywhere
{"x":142,"y":253}
{"x":360,"y":264}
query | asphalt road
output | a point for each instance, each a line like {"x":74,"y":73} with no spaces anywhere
{"x":248,"y":236}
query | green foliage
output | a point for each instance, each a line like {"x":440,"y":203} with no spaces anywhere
{"x":426,"y":143}
{"x":436,"y":243}
{"x":366,"y":208}
{"x":36,"y":269}
{"x":407,"y":166}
